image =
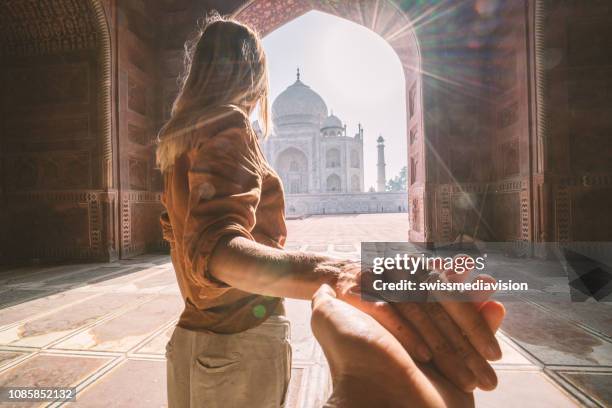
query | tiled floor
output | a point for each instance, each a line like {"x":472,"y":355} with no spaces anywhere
{"x":103,"y":329}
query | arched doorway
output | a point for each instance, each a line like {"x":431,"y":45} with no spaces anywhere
{"x":56,"y":148}
{"x":292,"y":166}
{"x":387,"y":20}
{"x":332,"y":158}
{"x":333,"y":184}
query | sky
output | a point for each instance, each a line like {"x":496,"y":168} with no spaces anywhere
{"x":355,"y":71}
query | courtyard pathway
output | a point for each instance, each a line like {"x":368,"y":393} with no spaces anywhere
{"x":103,"y":329}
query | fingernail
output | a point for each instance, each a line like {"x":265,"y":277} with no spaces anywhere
{"x":493,"y":352}
{"x":424,"y":352}
{"x":489,"y":381}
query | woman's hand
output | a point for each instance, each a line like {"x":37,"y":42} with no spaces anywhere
{"x":370,"y":367}
{"x":455,"y":335}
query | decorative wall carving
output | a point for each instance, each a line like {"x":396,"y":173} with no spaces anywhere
{"x":415,"y":216}
{"x":588,"y":214}
{"x":563,"y":214}
{"x":140,"y":228}
{"x":48,"y":84}
{"x":138,"y":174}
{"x":505,"y":71}
{"x":138,"y":135}
{"x":444,"y":213}
{"x":36,"y":27}
{"x":56,"y":74}
{"x":49,"y":171}
{"x":461,"y":163}
{"x":412,"y":100}
{"x":137,"y":97}
{"x":506,"y":210}
{"x":45,"y":130}
{"x":413,"y":135}
{"x":509,"y":155}
{"x":58,"y":225}
{"x":525,"y":213}
{"x":507,"y":116}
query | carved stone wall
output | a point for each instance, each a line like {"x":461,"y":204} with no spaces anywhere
{"x":576,"y":167}
{"x":140,"y":117}
{"x":55,"y":203}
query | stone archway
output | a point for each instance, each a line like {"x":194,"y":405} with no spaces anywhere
{"x":469,"y":133}
{"x":384,"y":18}
{"x":56,"y":144}
{"x":333,"y":184}
{"x":292,"y":166}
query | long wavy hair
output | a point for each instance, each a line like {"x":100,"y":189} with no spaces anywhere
{"x":225,"y":72}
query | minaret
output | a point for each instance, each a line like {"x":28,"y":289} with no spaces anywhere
{"x":382,"y":180}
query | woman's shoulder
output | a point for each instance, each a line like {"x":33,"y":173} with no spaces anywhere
{"x":225,"y":121}
{"x":230,"y":132}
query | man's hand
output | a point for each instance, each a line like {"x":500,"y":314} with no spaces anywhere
{"x":370,"y":367}
{"x":455,"y":335}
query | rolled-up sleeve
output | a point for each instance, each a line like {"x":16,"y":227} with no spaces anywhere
{"x":224,"y":190}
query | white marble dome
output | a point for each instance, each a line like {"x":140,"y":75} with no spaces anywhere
{"x":332,"y":121}
{"x":298,"y":104}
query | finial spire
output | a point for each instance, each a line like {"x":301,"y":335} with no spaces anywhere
{"x":298,"y":73}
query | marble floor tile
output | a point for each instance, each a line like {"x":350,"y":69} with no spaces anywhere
{"x":125,"y":331}
{"x":597,"y":385}
{"x":595,"y":315}
{"x":14,"y":296}
{"x":92,"y":275}
{"x":157,"y":344}
{"x":524,"y":388}
{"x":303,"y":343}
{"x":510,"y":355}
{"x":554,"y":340}
{"x":317,"y":248}
{"x":295,"y":385}
{"x":50,"y":371}
{"x":34,"y":307}
{"x":157,"y":281}
{"x":30,"y":275}
{"x":44,"y":330}
{"x":133,"y":384}
{"x":345,"y":248}
{"x":7,"y":357}
{"x":133,"y":275}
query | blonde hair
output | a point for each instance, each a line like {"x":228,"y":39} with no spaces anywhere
{"x":225,"y":72}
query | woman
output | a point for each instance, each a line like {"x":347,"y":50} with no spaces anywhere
{"x":226,"y":227}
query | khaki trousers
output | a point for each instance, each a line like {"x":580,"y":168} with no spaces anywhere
{"x":248,"y":369}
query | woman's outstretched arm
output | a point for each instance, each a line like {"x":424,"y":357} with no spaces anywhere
{"x":256,"y":268}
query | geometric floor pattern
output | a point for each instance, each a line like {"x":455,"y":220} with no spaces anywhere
{"x":103,"y":328}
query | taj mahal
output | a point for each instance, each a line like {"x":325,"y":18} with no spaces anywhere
{"x":320,"y":163}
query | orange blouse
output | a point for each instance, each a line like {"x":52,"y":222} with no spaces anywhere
{"x":223,"y":186}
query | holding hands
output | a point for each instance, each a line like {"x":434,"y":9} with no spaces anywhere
{"x":457,"y":337}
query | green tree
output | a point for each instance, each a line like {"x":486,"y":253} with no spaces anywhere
{"x":399,"y":182}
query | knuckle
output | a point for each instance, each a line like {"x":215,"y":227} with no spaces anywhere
{"x":442,"y":348}
{"x":476,"y":325}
